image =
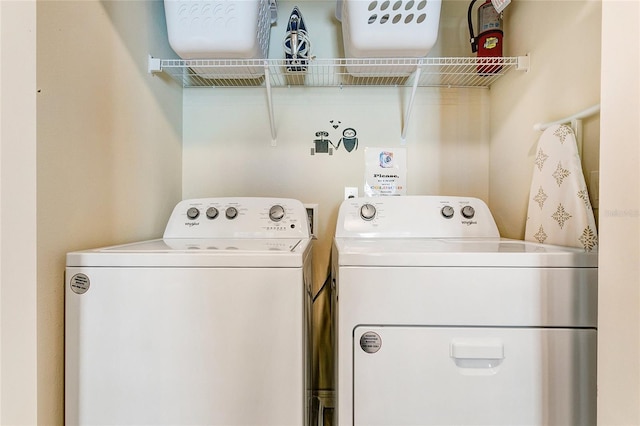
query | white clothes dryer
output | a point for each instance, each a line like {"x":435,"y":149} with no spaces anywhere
{"x":208,"y":325}
{"x":439,"y":321}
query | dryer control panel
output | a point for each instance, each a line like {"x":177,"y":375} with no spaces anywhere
{"x":238,"y":217}
{"x":416,"y":216}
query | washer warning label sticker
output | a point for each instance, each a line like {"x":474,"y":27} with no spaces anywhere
{"x":79,"y":283}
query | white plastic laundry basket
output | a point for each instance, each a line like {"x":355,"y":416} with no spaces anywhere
{"x":223,"y":29}
{"x":388,"y":29}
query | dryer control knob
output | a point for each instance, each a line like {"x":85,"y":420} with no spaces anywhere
{"x":367,"y":211}
{"x":212,"y":212}
{"x":276,"y":213}
{"x":193,"y":213}
{"x":231,"y":212}
{"x":468,"y":212}
{"x":447,"y":212}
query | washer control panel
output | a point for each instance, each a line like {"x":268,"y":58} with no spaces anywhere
{"x":416,"y":216}
{"x":239,"y":217}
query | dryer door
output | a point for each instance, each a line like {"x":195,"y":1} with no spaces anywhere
{"x":474,"y":376}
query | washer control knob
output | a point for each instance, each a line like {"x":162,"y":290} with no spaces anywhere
{"x":193,"y":213}
{"x":231,"y":212}
{"x":276,"y":213}
{"x":447,"y":212}
{"x":468,"y":212}
{"x":212,"y":212}
{"x":367,"y":211}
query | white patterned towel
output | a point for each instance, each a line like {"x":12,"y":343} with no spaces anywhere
{"x":559,"y":208}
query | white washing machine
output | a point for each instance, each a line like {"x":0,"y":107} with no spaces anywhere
{"x":207,"y":326}
{"x":439,"y":321}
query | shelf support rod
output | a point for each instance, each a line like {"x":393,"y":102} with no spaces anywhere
{"x":267,"y":83}
{"x":407,"y":115}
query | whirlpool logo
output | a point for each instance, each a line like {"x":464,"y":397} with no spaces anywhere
{"x":190,"y":224}
{"x":469,"y":222}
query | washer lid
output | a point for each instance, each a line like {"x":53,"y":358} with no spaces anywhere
{"x":176,"y":252}
{"x":448,"y":252}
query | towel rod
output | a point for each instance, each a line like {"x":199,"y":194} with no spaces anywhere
{"x":580,"y":115}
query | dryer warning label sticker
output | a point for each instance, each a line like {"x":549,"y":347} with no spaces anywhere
{"x":370,"y":342}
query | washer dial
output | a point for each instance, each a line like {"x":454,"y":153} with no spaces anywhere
{"x":367,"y":211}
{"x":212,"y":212}
{"x":468,"y":212}
{"x":276,"y":213}
{"x":193,"y":213}
{"x":447,"y":212}
{"x":231,"y":212}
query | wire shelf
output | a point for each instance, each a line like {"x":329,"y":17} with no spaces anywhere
{"x":270,"y":73}
{"x":429,"y":72}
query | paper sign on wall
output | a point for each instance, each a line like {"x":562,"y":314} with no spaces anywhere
{"x":385,"y":171}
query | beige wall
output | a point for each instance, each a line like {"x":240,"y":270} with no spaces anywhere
{"x":619,"y":273}
{"x":109,"y":150}
{"x":18,"y":292}
{"x":109,"y":158}
{"x":563,"y":40}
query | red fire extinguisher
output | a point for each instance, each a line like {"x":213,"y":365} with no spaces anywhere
{"x":488,"y":44}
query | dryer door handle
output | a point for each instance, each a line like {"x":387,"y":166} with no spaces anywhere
{"x":477,"y":353}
